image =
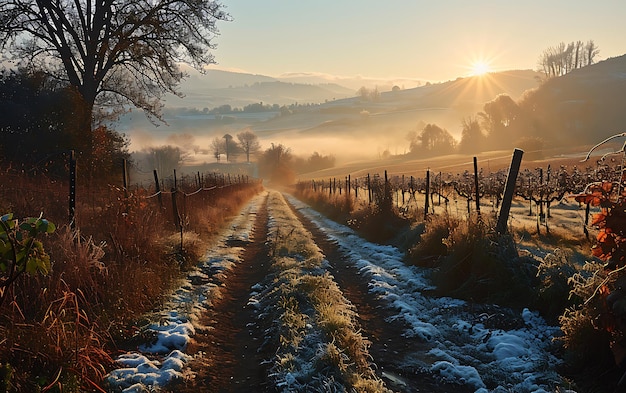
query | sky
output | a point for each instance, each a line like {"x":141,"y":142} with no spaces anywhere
{"x":409,"y":39}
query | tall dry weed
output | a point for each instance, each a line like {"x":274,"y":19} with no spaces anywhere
{"x":59,"y":330}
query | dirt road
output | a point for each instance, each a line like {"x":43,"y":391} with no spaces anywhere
{"x":231,"y":348}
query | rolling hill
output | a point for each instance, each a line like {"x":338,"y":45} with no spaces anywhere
{"x":584,"y":106}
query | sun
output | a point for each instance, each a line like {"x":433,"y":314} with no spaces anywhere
{"x":480,"y":67}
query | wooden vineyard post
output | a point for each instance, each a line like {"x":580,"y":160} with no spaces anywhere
{"x":509,"y":189}
{"x":427,"y":201}
{"x":476,"y":186}
{"x":72,"y":204}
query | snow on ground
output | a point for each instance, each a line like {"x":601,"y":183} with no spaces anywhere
{"x":462,"y":348}
{"x":161,"y":361}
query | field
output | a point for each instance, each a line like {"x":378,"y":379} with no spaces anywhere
{"x":258,"y":292}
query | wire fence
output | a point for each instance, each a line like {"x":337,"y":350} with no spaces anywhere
{"x":64,"y":197}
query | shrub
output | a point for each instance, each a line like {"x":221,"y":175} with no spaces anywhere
{"x":481,"y":265}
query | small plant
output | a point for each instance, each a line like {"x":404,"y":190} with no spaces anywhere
{"x":20,"y":250}
{"x":601,"y":288}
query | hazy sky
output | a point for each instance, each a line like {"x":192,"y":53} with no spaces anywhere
{"x":433,"y":40}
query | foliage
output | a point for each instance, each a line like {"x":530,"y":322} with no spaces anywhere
{"x":315,"y":162}
{"x":165,"y":159}
{"x":431,"y":140}
{"x":20,"y":250}
{"x":483,"y":266}
{"x":111,"y":53}
{"x":601,"y":286}
{"x":276,"y":165}
{"x":39,"y":121}
{"x":472,"y":137}
{"x":59,"y":330}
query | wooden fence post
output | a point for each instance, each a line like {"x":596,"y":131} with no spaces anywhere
{"x":509,"y":189}
{"x":476,"y":186}
{"x":158,"y":189}
{"x":125,"y":177}
{"x":72,"y":203}
{"x":175,"y":209}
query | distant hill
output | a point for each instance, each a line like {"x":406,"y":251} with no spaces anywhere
{"x":341,"y":123}
{"x":400,"y":111}
{"x":584,"y":106}
{"x":217,"y":87}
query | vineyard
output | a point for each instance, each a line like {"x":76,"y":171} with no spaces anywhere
{"x":466,"y":193}
{"x":469,"y":260}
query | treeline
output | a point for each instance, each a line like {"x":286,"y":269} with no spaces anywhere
{"x":41,"y":119}
{"x":226,"y":109}
{"x":502,"y":124}
{"x":563,"y":58}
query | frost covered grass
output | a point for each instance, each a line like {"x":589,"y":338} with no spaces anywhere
{"x":316,"y":333}
{"x":467,"y":343}
{"x":160,"y":360}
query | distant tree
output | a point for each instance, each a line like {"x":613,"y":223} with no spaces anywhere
{"x":432,"y":139}
{"x":218,"y":147}
{"x":229,"y":146}
{"x":562,"y":59}
{"x":472,"y":138}
{"x":165,"y":159}
{"x":112,"y":52}
{"x":249,"y":142}
{"x":276,"y":164}
{"x":499,"y":118}
{"x":315,"y":162}
{"x":591,"y":52}
{"x":369,"y":95}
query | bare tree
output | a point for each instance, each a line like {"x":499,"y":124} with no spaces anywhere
{"x":218,"y":147}
{"x":591,"y":51}
{"x":113,"y":52}
{"x":249,"y":142}
{"x":564,"y":58}
{"x":165,"y":159}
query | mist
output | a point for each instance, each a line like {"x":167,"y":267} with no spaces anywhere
{"x":370,"y":125}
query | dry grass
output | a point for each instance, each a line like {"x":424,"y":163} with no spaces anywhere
{"x":58,"y":330}
{"x":313,"y":313}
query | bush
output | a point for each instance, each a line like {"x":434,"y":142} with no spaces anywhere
{"x":475,"y":263}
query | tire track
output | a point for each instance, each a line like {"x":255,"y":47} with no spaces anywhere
{"x":391,"y":352}
{"x":226,"y":351}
